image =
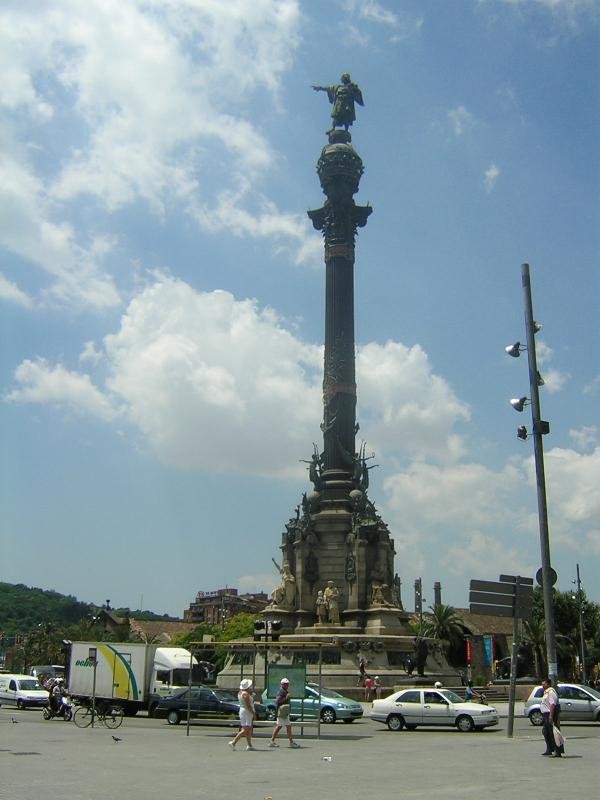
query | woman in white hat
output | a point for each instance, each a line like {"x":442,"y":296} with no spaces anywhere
{"x":247,"y":715}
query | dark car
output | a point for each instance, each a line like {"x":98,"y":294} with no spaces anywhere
{"x":204,"y":702}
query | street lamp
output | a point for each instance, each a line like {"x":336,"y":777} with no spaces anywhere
{"x":540,"y":428}
{"x":579,"y":598}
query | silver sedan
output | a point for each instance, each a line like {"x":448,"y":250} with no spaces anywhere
{"x":410,"y":708}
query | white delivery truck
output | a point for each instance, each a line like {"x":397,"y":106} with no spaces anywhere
{"x":134,"y":676}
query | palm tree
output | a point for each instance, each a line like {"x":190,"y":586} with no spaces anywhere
{"x":535,"y":631}
{"x":444,"y":623}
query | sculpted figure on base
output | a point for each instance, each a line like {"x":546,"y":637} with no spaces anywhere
{"x":332,"y":598}
{"x":321,"y":608}
{"x":285,"y":594}
{"x":342,"y":96}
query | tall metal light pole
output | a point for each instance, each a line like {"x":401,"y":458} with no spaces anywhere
{"x":581,"y":637}
{"x":539,"y":428}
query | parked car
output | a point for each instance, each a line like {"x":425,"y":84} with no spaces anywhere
{"x":412,"y":707}
{"x":331,"y":705}
{"x":577,"y":704}
{"x":22,"y":691}
{"x":204,"y":702}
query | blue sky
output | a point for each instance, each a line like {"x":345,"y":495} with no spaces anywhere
{"x":162,"y":290}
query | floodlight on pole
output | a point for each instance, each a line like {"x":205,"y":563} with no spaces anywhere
{"x":519,"y":403}
{"x":515,"y":349}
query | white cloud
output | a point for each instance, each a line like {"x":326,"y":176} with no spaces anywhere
{"x":484,"y":556}
{"x":401,"y":25}
{"x":124,"y":141}
{"x":27,"y":229}
{"x":375,"y":12}
{"x":490,"y":177}
{"x":41,"y":383}
{"x":261,"y":582}
{"x":405,"y":406}
{"x":460,"y":120}
{"x":585,"y":436}
{"x":290,"y":231}
{"x":215,"y":383}
{"x":90,"y":354}
{"x":554,"y":379}
{"x":572,"y":482}
{"x":10,"y":291}
{"x":593,"y":387}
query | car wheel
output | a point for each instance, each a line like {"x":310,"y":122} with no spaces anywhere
{"x":173,"y":717}
{"x":465,"y":724}
{"x":536,"y":718}
{"x":152,"y":710}
{"x":395,"y":722}
{"x":271,"y":713}
{"x":328,"y":715}
{"x":21,"y":704}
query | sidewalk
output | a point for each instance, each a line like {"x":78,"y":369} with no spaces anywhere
{"x":152,"y":761}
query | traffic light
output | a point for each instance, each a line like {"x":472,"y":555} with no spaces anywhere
{"x":275,"y":630}
{"x":418,"y":597}
{"x":259,"y":627}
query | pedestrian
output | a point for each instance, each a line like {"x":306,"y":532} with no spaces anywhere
{"x":377,"y":686}
{"x":470,"y":693}
{"x":362,"y":665}
{"x":283,"y":714}
{"x":368,"y":688}
{"x":550,"y":713}
{"x":247,"y":715}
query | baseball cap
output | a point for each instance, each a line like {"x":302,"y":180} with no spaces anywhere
{"x":284,"y":680}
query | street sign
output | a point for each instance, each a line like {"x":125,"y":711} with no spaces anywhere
{"x":512,"y":596}
{"x":515,"y":578}
{"x":494,"y":611}
{"x":492,"y":586}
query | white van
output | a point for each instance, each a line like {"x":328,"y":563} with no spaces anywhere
{"x":22,"y":691}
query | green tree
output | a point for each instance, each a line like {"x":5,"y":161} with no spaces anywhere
{"x":535,"y":633}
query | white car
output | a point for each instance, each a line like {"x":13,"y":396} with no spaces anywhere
{"x":577,"y":704}
{"x":410,"y":708}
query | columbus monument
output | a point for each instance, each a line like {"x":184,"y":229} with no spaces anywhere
{"x":338,"y":585}
{"x":337,"y":555}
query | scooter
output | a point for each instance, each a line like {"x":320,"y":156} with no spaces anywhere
{"x":64,"y":710}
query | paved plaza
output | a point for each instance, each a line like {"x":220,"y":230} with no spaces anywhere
{"x":40,"y":759}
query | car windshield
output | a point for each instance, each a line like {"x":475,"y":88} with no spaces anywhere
{"x":221,"y":694}
{"x":325,"y":692}
{"x":451,"y":696}
{"x":593,"y":692}
{"x":29,"y":685}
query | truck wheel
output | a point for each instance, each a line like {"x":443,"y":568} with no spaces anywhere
{"x":173,"y":718}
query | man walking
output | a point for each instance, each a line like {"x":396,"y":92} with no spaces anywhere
{"x":282,"y":702}
{"x":549,"y":708}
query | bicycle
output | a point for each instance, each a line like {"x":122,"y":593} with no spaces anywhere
{"x":111,"y":716}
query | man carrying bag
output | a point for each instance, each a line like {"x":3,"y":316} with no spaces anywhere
{"x":283,"y":714}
